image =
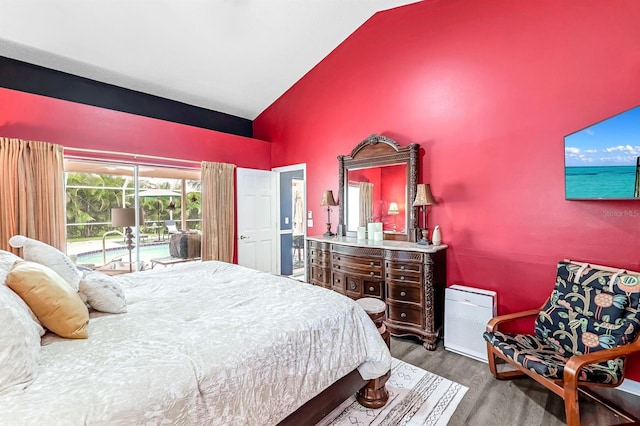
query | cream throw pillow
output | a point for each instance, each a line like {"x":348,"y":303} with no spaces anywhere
{"x":44,"y":254}
{"x":56,"y":305}
{"x":7,"y":259}
{"x":102,"y":292}
{"x":19,"y":342}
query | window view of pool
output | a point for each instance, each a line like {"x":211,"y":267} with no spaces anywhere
{"x":147,"y":252}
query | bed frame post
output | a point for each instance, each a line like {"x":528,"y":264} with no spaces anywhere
{"x":374,"y":394}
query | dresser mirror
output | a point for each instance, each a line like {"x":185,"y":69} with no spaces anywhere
{"x":378,"y":184}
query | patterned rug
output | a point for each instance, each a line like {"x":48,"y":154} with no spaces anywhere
{"x":416,"y":397}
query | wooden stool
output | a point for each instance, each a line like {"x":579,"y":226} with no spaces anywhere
{"x":377,"y":311}
{"x":375,"y":394}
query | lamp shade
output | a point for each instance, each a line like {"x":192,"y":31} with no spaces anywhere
{"x":327,"y":198}
{"x":424,"y":197}
{"x":393,"y":208}
{"x":122,"y":217}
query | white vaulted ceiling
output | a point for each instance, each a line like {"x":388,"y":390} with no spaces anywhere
{"x":232,"y":56}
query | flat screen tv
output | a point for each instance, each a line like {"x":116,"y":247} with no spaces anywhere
{"x":602,"y":162}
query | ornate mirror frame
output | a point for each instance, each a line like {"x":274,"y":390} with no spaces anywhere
{"x":375,"y":151}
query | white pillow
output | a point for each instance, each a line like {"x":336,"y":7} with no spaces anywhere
{"x":102,"y":292}
{"x":7,"y":259}
{"x":20,"y":337}
{"x":51,"y":257}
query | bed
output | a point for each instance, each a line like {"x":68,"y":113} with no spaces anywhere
{"x":201,"y":343}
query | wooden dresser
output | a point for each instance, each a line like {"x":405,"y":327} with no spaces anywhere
{"x":410,"y":278}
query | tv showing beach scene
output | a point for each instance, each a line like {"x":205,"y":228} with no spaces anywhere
{"x":603,"y":160}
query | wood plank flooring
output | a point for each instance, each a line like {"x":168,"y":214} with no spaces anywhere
{"x":489,"y":401}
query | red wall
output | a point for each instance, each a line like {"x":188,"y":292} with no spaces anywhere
{"x":72,"y":125}
{"x":33,"y":117}
{"x":488,"y":88}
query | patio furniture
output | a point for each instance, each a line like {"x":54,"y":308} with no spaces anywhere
{"x":185,"y":245}
{"x":170,"y":260}
{"x":171,"y":227}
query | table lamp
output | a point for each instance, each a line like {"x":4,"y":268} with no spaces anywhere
{"x":424,"y":198}
{"x":393,"y":211}
{"x":328,"y":201}
{"x":126,"y":218}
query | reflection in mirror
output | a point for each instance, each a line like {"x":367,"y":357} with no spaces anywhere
{"x":371,"y":193}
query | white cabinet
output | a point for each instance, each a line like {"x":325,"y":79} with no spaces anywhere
{"x":466,"y":313}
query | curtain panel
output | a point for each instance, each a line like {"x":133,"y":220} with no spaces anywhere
{"x":366,"y":203}
{"x":218,"y":211}
{"x":32,"y":202}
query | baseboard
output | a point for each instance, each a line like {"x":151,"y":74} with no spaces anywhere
{"x":630,"y":386}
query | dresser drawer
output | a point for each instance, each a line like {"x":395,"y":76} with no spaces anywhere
{"x":398,"y":267}
{"x":322,"y":262}
{"x":319,"y":276}
{"x":404,"y":293}
{"x":373,"y":288}
{"x":404,"y":312}
{"x":369,"y":267}
{"x":364,"y":262}
{"x":319,"y":254}
{"x":401,"y":277}
{"x":338,"y":282}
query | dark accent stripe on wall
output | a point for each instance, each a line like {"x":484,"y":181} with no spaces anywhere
{"x":25,"y":77}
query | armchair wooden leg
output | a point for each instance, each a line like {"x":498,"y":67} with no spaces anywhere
{"x":571,"y":407}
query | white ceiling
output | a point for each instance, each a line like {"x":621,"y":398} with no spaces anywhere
{"x":233,"y":56}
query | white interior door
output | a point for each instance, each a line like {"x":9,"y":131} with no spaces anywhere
{"x":257,"y":219}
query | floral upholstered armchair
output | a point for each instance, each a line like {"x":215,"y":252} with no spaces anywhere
{"x":582,"y":333}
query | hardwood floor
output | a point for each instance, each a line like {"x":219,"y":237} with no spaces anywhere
{"x":489,"y":401}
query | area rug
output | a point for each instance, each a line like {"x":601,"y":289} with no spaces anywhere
{"x":416,"y":397}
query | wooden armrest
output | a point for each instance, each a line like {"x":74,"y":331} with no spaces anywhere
{"x":577,"y":362}
{"x":492,"y":325}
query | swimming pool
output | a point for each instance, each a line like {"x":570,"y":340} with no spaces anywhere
{"x":147,"y":252}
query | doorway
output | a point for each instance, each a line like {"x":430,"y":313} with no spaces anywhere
{"x":293,"y":224}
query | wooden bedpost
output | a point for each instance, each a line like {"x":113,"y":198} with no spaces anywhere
{"x":374,"y":394}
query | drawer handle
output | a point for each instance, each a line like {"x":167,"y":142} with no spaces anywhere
{"x":371,"y":288}
{"x":403,"y":293}
{"x":371,"y":264}
{"x":402,"y":268}
{"x":371,"y":273}
{"x":401,"y":278}
{"x":353,"y":285}
{"x":337,"y":266}
{"x":403,"y":315}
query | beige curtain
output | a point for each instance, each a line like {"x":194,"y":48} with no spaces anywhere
{"x":366,"y":203}
{"x":32,"y":187}
{"x":218,"y":211}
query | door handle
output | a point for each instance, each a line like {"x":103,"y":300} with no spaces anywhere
{"x":243,"y":237}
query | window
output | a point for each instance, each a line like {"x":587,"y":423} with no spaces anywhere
{"x":93,"y":188}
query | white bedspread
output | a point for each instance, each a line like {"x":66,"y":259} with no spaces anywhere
{"x":202,"y":343}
